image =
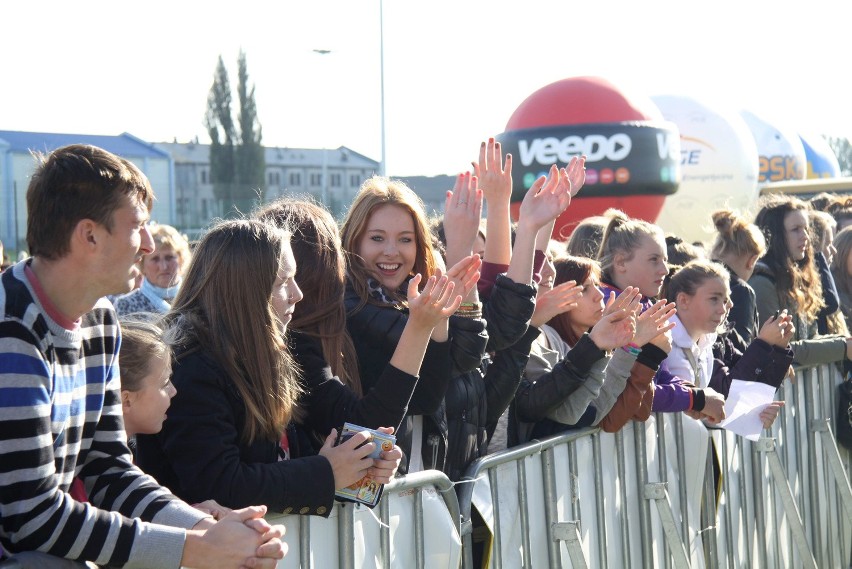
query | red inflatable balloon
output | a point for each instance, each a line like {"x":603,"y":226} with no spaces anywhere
{"x":632,"y":155}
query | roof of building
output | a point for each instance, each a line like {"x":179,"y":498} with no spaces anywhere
{"x":124,"y":144}
{"x":431,"y":188}
{"x":192,"y":152}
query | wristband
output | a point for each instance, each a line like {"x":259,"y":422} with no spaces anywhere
{"x":632,"y":349}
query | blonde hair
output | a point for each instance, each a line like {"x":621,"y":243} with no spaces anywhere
{"x":585,"y":240}
{"x":224,"y":305}
{"x":843,"y":244}
{"x":623,"y":235}
{"x":375,"y":192}
{"x":144,"y":337}
{"x":821,"y":222}
{"x":167,"y":237}
{"x":736,"y":236}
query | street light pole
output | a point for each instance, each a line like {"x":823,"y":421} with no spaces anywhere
{"x":383,"y":164}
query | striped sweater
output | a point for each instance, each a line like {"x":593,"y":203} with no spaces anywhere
{"x":60,"y":417}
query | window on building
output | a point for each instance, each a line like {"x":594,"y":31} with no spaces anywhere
{"x":274,"y":179}
{"x":316,"y":180}
{"x":203,"y":175}
{"x":335,"y":180}
{"x":354,"y":180}
{"x":295,"y":178}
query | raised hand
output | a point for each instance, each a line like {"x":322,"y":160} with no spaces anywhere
{"x":664,"y":340}
{"x":495,"y":177}
{"x":550,"y":303}
{"x":464,"y":274}
{"x":628,"y":300}
{"x":436,"y":301}
{"x":462,"y":212}
{"x":575,"y":174}
{"x":350,"y":460}
{"x":778,"y":331}
{"x":618,"y":321}
{"x":654,"y":321}
{"x":544,"y":201}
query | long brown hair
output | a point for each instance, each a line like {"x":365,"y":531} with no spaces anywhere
{"x":224,"y":306}
{"x":374,"y":193}
{"x":570,"y":268}
{"x":843,"y":244}
{"x":321,"y":267}
{"x":796,"y":281}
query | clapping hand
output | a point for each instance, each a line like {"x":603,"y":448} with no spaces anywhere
{"x":548,"y":197}
{"x":618,"y":322}
{"x":464,"y":274}
{"x":778,"y":330}
{"x":552,"y":302}
{"x":436,"y":301}
{"x":654,"y":321}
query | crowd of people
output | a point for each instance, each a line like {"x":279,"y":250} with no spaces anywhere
{"x":158,"y":397}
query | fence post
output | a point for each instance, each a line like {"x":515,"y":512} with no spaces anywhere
{"x":346,"y":536}
{"x":766,"y":445}
{"x":569,"y":532}
{"x":656,"y":491}
{"x":832,"y":456}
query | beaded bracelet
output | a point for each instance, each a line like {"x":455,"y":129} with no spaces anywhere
{"x":632,"y":349}
{"x":468,"y":314}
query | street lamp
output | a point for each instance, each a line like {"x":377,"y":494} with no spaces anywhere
{"x":382,"y":165}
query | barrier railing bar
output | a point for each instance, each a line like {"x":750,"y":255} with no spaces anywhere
{"x":812,"y":473}
{"x":644,"y":507}
{"x":419,"y":548}
{"x":346,"y":537}
{"x":708,"y":515}
{"x":726,"y":492}
{"x":569,"y":532}
{"x":760,"y":515}
{"x":574,"y":481}
{"x":384,"y":533}
{"x":305,"y":542}
{"x":523,"y":507}
{"x":681,"y":469}
{"x":599,"y":500}
{"x":656,"y":491}
{"x":663,"y":465}
{"x":832,"y":456}
{"x":622,"y":488}
{"x":767,"y":446}
{"x":497,"y":545}
{"x":548,"y":468}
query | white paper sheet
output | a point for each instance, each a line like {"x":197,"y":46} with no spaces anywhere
{"x":746,"y":400}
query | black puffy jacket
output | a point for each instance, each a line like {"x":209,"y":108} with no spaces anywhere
{"x":376,"y":330}
{"x":475,"y":400}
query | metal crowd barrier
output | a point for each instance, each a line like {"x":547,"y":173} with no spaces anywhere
{"x":416,"y":524}
{"x":638,"y":498}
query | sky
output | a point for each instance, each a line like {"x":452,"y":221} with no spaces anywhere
{"x":454,"y":71}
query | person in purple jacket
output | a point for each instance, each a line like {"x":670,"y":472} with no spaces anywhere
{"x":633,"y":253}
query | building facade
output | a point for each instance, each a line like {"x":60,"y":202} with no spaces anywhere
{"x":17,"y":163}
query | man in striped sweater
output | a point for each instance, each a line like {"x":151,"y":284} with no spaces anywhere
{"x":60,"y":410}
